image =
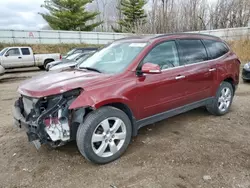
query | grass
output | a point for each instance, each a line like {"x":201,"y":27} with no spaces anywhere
{"x":240,"y":47}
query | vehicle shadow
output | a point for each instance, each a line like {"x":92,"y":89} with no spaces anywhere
{"x":22,"y":70}
{"x":12,"y":79}
{"x":153,"y":130}
{"x":169,"y":124}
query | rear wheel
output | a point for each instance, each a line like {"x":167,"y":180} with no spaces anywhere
{"x":223,"y":100}
{"x":104,"y":135}
{"x":43,"y":67}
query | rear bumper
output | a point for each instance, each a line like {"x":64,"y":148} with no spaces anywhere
{"x":33,"y":130}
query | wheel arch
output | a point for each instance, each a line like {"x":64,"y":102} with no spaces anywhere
{"x":231,"y":81}
{"x":119,"y":103}
{"x":125,"y":108}
{"x":48,"y":60}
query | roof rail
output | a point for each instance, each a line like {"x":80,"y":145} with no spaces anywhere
{"x":170,"y":34}
{"x":128,"y":38}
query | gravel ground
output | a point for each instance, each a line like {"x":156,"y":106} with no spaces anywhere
{"x":194,"y":149}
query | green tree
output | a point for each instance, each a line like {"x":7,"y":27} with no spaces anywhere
{"x":133,"y":15}
{"x":69,"y":15}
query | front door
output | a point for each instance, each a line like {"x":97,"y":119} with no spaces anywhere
{"x":165,"y":91}
{"x":12,"y":58}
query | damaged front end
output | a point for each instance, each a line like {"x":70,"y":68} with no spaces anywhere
{"x":48,"y":120}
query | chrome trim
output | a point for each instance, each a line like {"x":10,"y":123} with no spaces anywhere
{"x":163,"y":70}
{"x":179,"y":77}
{"x":211,"y":70}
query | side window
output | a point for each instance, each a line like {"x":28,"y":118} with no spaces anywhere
{"x":164,"y":54}
{"x":215,"y":49}
{"x":25,"y":51}
{"x":13,"y":52}
{"x":192,"y":51}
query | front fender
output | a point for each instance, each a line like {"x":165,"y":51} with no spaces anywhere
{"x":82,"y":101}
{"x":98,"y":100}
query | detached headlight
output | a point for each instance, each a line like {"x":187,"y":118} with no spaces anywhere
{"x":247,"y":66}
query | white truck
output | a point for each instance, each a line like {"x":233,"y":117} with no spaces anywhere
{"x":18,"y":57}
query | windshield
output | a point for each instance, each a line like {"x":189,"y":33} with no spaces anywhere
{"x":113,"y":58}
{"x":3,"y":51}
{"x":82,"y":58}
{"x":72,"y":57}
{"x":70,"y":52}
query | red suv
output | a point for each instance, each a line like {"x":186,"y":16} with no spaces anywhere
{"x":128,"y":84}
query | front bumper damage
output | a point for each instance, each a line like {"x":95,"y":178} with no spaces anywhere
{"x":40,"y":125}
{"x":35,"y":133}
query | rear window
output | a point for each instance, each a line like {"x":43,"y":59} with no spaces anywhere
{"x":25,"y":51}
{"x":215,"y":49}
{"x":192,"y":51}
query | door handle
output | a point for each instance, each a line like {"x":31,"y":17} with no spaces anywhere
{"x":212,"y":69}
{"x":19,"y":57}
{"x":179,"y":77}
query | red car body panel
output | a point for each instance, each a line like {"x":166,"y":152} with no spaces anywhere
{"x":144,"y":95}
{"x":160,"y":92}
{"x":121,"y":90}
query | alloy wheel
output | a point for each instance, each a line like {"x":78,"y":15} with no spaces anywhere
{"x":108,"y":137}
{"x":224,"y":99}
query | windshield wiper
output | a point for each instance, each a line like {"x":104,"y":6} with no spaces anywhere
{"x":91,"y":69}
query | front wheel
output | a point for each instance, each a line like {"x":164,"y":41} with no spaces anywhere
{"x":221,"y":103}
{"x":104,"y":135}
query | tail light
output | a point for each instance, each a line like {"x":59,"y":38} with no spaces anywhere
{"x":60,"y":56}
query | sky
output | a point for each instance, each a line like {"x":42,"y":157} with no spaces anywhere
{"x":21,"y":14}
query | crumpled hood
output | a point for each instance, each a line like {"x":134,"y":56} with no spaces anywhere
{"x":56,"y":82}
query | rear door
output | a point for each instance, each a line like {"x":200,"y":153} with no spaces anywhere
{"x":199,"y":79}
{"x":27,"y":57}
{"x":165,"y":91}
{"x":219,"y":63}
{"x":12,"y":58}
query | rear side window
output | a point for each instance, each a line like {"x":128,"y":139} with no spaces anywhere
{"x":192,"y":51}
{"x":215,"y":49}
{"x":25,"y":51}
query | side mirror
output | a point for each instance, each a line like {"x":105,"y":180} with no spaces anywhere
{"x":151,"y":68}
{"x":6,"y":55}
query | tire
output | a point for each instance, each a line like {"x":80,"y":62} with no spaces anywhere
{"x":215,"y":106}
{"x":46,"y":62}
{"x":41,"y":67}
{"x":94,"y":124}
